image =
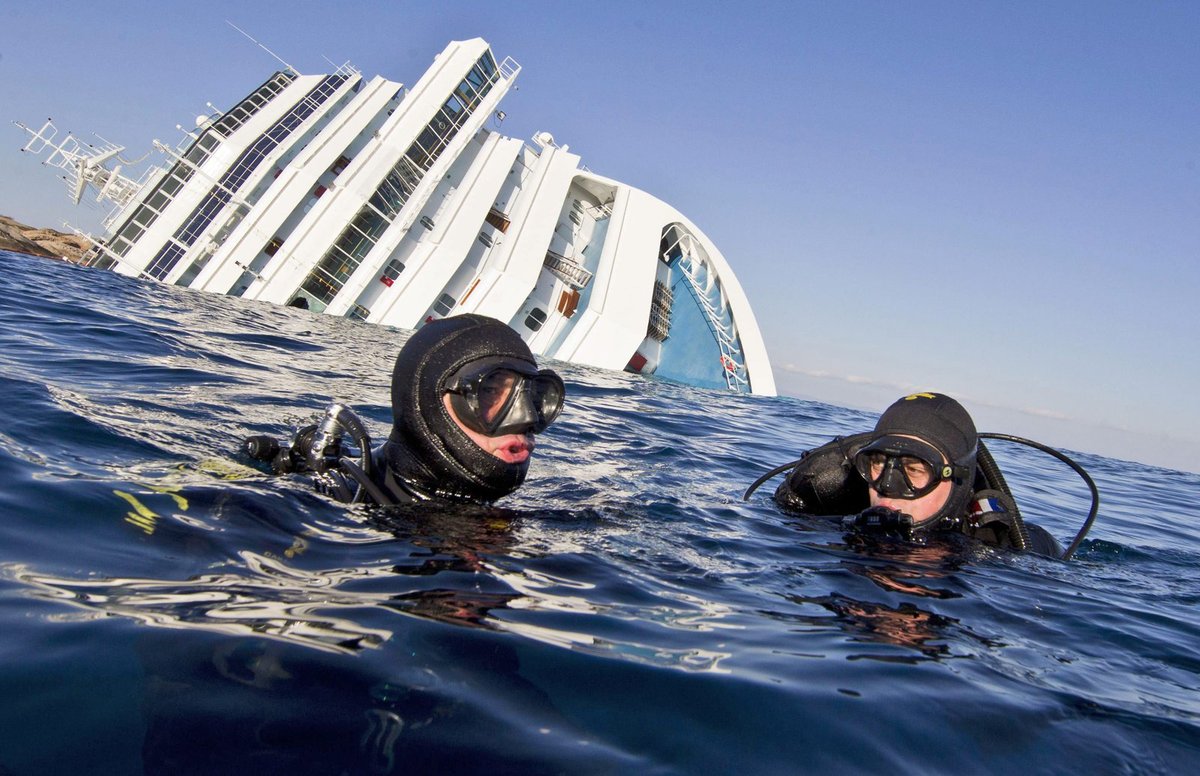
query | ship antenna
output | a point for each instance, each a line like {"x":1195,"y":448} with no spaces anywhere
{"x":83,"y":163}
{"x":264,"y":48}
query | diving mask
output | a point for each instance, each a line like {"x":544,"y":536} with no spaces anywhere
{"x":904,"y":467}
{"x":498,"y":396}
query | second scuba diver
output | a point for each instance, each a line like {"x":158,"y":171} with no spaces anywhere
{"x":467,"y":400}
{"x":921,"y":472}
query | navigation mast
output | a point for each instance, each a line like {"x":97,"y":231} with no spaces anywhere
{"x":83,"y":163}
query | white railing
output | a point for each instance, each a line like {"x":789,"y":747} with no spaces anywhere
{"x":722,"y":326}
{"x":509,"y":68}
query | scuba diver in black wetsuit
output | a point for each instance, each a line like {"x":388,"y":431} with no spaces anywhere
{"x":921,"y":472}
{"x":467,"y":400}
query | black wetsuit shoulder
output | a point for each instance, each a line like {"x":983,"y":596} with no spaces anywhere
{"x":1042,"y":542}
{"x":824,"y":482}
{"x":999,"y":534}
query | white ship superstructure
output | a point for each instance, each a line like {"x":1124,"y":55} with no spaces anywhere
{"x":365,"y":199}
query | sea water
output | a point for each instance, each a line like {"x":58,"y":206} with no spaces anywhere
{"x":166,"y":609}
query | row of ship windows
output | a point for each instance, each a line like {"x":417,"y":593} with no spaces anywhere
{"x":494,"y":217}
{"x":239,"y":172}
{"x":242,"y":112}
{"x":153,"y":206}
{"x":163,"y":194}
{"x":442,"y":307}
{"x":390,"y":198}
{"x":275,"y":243}
{"x":193,"y":157}
{"x":394,"y":267}
{"x":346,"y":254}
{"x":471,"y":90}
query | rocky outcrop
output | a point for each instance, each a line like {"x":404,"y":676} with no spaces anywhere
{"x":15,"y":236}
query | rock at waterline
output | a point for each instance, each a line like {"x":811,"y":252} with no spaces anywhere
{"x":18,"y":237}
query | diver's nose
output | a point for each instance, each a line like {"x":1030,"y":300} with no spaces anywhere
{"x":891,"y":483}
{"x":523,"y":416}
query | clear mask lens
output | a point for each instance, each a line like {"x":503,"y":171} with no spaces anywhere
{"x":906,"y":473}
{"x":497,"y":400}
{"x":495,"y":393}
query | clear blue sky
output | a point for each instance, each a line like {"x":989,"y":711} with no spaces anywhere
{"x":1000,"y":201}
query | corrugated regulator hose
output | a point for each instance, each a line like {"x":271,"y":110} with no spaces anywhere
{"x":1018,"y":534}
{"x":1091,"y":518}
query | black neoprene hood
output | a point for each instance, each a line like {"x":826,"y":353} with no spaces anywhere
{"x":944,"y":423}
{"x":936,"y":418}
{"x":427,"y":448}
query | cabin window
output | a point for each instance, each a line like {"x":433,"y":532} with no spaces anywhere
{"x":120,"y":246}
{"x":171,"y":185}
{"x":428,"y":140}
{"x":272,"y":246}
{"x":157,"y":201}
{"x":444,"y":304}
{"x":535,"y":319}
{"x":358,"y":313}
{"x":454,"y":109}
{"x":144,"y":216}
{"x":487,"y":64}
{"x":477,"y":78}
{"x":132,"y":231}
{"x":369,"y":224}
{"x":391,"y":272}
{"x":418,"y":157}
{"x":483,"y":238}
{"x":339,"y":165}
{"x":466,"y":94}
{"x":427,"y":222}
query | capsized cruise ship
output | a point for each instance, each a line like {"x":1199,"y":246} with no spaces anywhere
{"x":398,"y":205}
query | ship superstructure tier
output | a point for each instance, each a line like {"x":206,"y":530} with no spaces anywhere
{"x":398,"y":205}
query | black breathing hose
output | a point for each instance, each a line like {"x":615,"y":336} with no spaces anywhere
{"x":365,"y":484}
{"x":1091,"y":518}
{"x":345,"y":417}
{"x":1017,"y":532}
{"x":754,"y":486}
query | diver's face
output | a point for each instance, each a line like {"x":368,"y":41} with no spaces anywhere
{"x":921,"y":508}
{"x":510,"y":448}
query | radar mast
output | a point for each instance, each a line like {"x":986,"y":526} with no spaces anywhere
{"x":84,"y":163}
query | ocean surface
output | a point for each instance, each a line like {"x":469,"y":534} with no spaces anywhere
{"x":165,"y":609}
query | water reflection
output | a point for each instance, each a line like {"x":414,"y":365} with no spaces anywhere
{"x":924,"y":571}
{"x":689,"y":613}
{"x":280,"y":602}
{"x":904,"y":625}
{"x":461,"y":567}
{"x":910,"y":569}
